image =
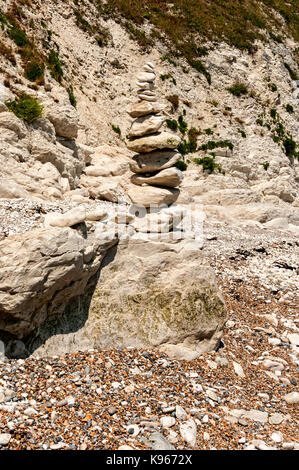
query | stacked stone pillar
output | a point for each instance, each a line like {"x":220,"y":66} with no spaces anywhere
{"x":155,"y":177}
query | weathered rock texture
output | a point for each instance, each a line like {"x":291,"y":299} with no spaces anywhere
{"x":41,"y":271}
{"x":148,"y":294}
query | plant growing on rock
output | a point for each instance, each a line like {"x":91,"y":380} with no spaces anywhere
{"x":208,"y":164}
{"x":116,"y":129}
{"x":72,"y":97}
{"x":181,"y":165}
{"x":172,"y":124}
{"x":238,"y":89}
{"x":26,"y":108}
{"x":55,"y":66}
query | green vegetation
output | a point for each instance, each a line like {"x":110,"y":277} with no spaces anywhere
{"x":172,"y":124}
{"x":72,"y":97}
{"x":208,"y":131}
{"x":55,"y":66}
{"x":238,"y":89}
{"x":278,"y":133}
{"x":208,"y":164}
{"x":34,"y":70}
{"x":181,"y":22}
{"x":167,"y":76}
{"x":211,"y":145}
{"x":290,"y":147}
{"x":272,"y":87}
{"x":116,"y":129}
{"x":181,"y":165}
{"x":289,"y":108}
{"x":183,"y":126}
{"x":266,"y":165}
{"x":18,"y":36}
{"x":243,"y":134}
{"x":293,"y":74}
{"x":26,"y":108}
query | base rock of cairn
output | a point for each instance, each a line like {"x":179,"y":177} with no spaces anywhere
{"x":155,"y":176}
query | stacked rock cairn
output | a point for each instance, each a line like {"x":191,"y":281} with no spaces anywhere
{"x":155,"y":176}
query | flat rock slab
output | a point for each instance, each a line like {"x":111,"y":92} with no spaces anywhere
{"x":152,"y":196}
{"x":143,"y":108}
{"x":164,"y":140}
{"x":170,"y":177}
{"x":146,"y":125}
{"x":154,"y":161}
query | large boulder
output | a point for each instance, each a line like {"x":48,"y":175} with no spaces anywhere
{"x":41,"y":271}
{"x":65,"y":119}
{"x":149,"y":294}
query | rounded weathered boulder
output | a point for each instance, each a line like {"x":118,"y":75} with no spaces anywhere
{"x":65,"y":119}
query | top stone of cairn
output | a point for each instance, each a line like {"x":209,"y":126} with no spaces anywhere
{"x":146,"y":83}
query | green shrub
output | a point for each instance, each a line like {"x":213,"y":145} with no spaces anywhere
{"x":289,"y":147}
{"x":273,"y":113}
{"x":116,"y":129}
{"x":55,"y":66}
{"x":238,"y":89}
{"x":201,"y":68}
{"x":243,"y":134}
{"x":289,"y":108}
{"x":26,"y":108}
{"x":72,"y":97}
{"x":34,"y":70}
{"x":272,"y":87}
{"x":211,"y":145}
{"x":266,"y":165}
{"x":208,"y":131}
{"x":18,"y":36}
{"x":183,"y":126}
{"x":208,"y":164}
{"x":293,"y":74}
{"x":186,"y":147}
{"x":181,"y":165}
{"x":172,"y":124}
{"x":165,"y":76}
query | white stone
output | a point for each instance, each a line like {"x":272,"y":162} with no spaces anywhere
{"x":292,"y":398}
{"x":167,"y":421}
{"x":146,"y":77}
{"x":188,"y":432}
{"x":4,"y":439}
{"x":277,"y":437}
{"x":238,"y":370}
{"x":180,"y":412}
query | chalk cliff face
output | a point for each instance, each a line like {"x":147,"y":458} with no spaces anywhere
{"x":64,"y":173}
